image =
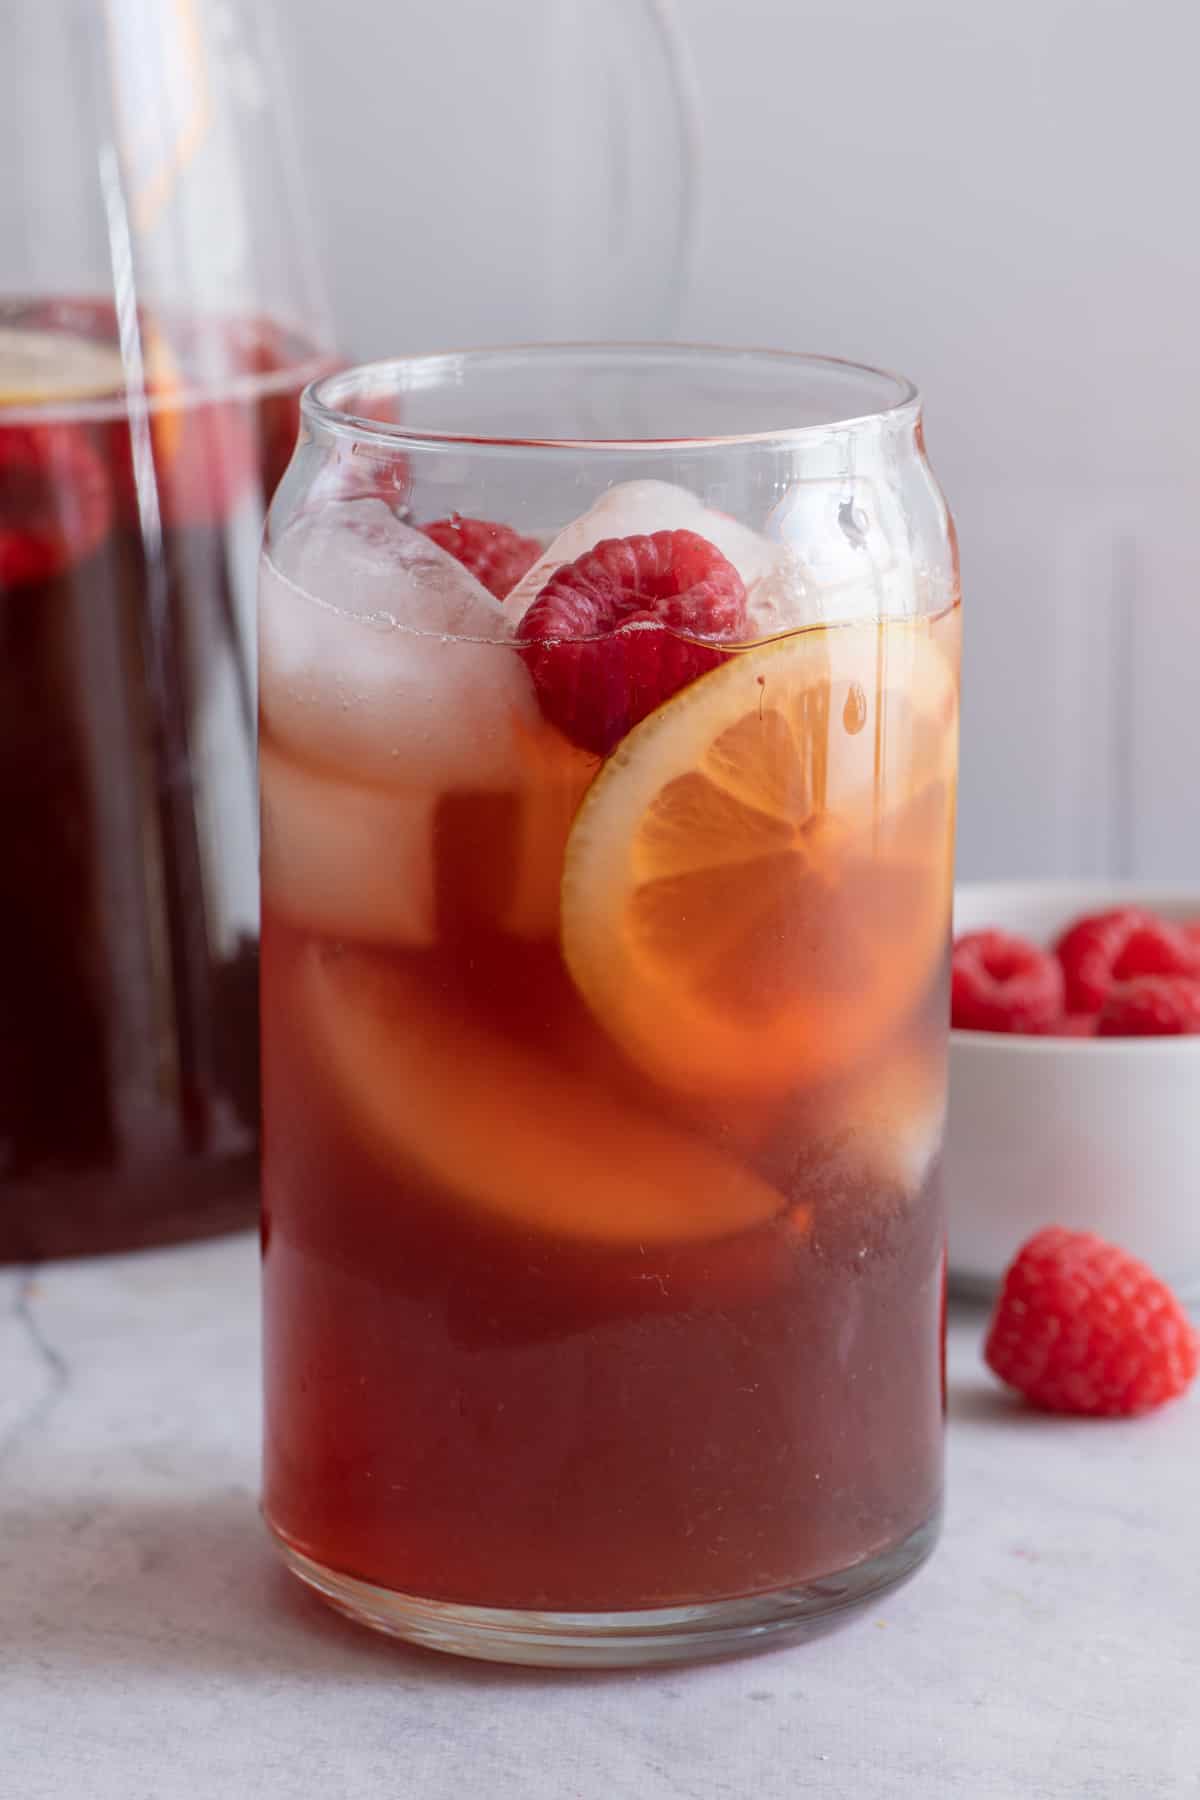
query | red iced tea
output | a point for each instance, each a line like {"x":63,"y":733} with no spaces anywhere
{"x":602,"y":1100}
{"x":134,"y":461}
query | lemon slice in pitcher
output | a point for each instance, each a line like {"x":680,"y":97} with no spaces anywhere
{"x":51,"y":368}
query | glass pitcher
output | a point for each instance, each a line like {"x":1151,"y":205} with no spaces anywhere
{"x":158,"y":317}
{"x":160,"y":311}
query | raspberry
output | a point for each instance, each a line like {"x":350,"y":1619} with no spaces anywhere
{"x":1072,"y":1025}
{"x":1003,"y":983}
{"x":496,"y":555}
{"x":1111,"y":947}
{"x":1152,"y":1006}
{"x":595,"y":677}
{"x":206,"y":451}
{"x":1083,"y":1327}
{"x":55,"y":502}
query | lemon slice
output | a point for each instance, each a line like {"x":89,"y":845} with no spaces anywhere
{"x":504,"y":1133}
{"x":41,"y":368}
{"x":757,"y":885}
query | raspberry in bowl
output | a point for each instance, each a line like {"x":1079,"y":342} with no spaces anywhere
{"x":1075,"y":1074}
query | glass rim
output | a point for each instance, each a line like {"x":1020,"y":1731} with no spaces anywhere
{"x":320,"y":406}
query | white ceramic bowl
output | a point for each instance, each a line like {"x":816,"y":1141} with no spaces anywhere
{"x":1095,"y":1134}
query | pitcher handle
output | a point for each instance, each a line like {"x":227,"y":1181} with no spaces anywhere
{"x":622,"y":222}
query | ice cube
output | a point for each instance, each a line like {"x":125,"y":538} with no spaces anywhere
{"x":784,"y":598}
{"x":383,"y":659}
{"x":776,"y":586}
{"x":848,"y":533}
{"x":892,"y":1118}
{"x":350,"y":859}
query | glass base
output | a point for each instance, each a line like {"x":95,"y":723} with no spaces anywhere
{"x":614,"y":1640}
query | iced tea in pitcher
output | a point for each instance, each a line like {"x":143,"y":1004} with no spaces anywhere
{"x":607,"y":815}
{"x":132,"y":490}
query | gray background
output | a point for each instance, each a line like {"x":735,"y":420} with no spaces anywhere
{"x":998,"y":199}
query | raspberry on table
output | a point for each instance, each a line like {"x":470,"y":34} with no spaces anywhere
{"x":1152,"y":1006}
{"x":55,"y":501}
{"x":610,"y":636}
{"x":1003,"y":983}
{"x":1083,"y":1327}
{"x":496,"y":555}
{"x":1116,"y":946}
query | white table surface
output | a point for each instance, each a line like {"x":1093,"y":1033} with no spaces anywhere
{"x":151,"y":1648}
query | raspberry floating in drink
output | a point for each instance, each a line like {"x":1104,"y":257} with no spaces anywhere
{"x":496,"y":555}
{"x":614,"y":634}
{"x":55,"y":502}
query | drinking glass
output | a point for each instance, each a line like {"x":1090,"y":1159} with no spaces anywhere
{"x":608,"y":718}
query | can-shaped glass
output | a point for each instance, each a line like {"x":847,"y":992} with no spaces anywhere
{"x":609,"y":704}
